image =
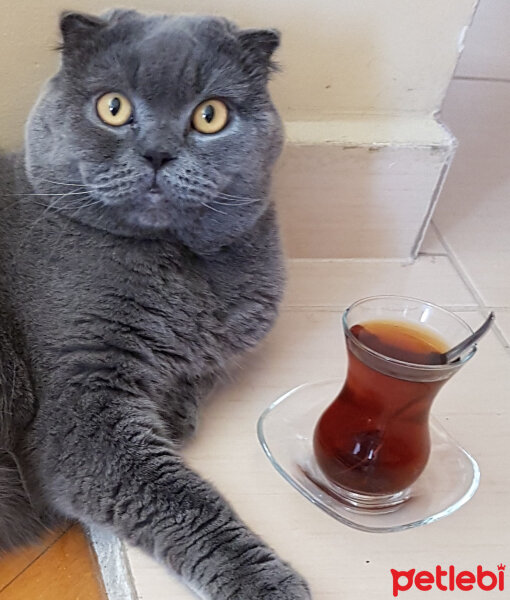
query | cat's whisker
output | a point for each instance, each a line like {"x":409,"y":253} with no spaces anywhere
{"x":105,"y":186}
{"x":88,"y":205}
{"x":23,"y":482}
{"x":43,"y":215}
{"x":223,"y":195}
{"x":229,"y":201}
{"x":212,"y":208}
{"x":18,"y":201}
{"x":62,"y":209}
{"x":68,"y":183}
{"x":25,"y":198}
{"x":77,"y":210}
{"x":75,"y":207}
{"x":66,"y":194}
{"x":70,"y":205}
{"x":56,"y":246}
{"x":87,"y":186}
{"x":240,"y":199}
{"x":233,"y":203}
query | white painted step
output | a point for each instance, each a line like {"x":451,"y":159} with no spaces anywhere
{"x":360,"y":186}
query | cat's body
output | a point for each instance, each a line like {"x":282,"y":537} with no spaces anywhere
{"x":116,"y":321}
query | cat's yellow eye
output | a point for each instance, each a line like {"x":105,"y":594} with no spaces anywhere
{"x":210,"y":117}
{"x":114,"y":109}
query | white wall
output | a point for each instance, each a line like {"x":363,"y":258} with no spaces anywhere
{"x":487,"y":52}
{"x":473,"y":215}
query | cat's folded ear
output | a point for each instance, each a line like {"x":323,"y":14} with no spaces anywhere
{"x":257,"y":48}
{"x":77,"y":29}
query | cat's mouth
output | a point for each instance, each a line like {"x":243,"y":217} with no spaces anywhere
{"x":154,"y":194}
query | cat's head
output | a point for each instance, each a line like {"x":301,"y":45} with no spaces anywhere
{"x":156,"y":125}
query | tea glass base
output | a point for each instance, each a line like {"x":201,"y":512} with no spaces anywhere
{"x":285,"y":430}
{"x":374,"y":503}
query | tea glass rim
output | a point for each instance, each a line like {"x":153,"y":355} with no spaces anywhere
{"x":438,"y":368}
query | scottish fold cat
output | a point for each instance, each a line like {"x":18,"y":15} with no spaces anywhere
{"x":139,"y":256}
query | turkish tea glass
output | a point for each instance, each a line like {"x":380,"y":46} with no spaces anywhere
{"x":373,"y":441}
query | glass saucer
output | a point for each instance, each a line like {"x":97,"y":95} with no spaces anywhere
{"x":285,"y":431}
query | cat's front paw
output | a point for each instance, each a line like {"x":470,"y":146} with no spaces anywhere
{"x":278,"y":582}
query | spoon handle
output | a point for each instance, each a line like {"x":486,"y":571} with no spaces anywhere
{"x":457,"y":350}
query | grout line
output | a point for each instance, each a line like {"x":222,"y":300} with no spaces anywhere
{"x":421,"y":253}
{"x":435,"y":197}
{"x":350,"y":260}
{"x":34,"y":560}
{"x":342,"y":307}
{"x":499,"y":334}
{"x":492,"y":79}
{"x":466,"y":280}
{"x":471,"y":287}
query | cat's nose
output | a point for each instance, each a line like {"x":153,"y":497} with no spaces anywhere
{"x":157,"y":158}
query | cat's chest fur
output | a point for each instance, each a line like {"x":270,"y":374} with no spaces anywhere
{"x":94,"y":299}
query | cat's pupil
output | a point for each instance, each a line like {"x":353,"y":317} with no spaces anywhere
{"x":114,"y":106}
{"x":208,"y":113}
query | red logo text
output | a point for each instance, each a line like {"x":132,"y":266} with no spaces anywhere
{"x":449,"y":579}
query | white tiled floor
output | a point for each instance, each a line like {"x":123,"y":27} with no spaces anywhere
{"x":504,"y":325}
{"x":431,"y":243}
{"x":335,"y":283}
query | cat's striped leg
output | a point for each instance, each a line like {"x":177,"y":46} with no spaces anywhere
{"x":107,"y":462}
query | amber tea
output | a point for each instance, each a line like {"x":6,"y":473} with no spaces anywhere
{"x":374,"y":438}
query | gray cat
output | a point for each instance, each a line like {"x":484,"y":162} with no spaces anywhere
{"x":139,"y":255}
